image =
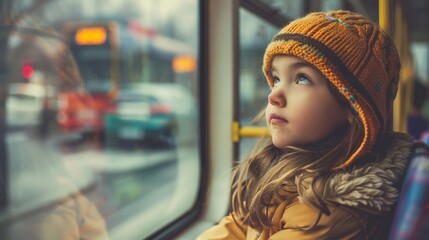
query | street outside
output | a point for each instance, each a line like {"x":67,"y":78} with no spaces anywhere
{"x":120,"y":182}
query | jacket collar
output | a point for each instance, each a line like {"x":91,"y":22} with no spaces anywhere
{"x":375,"y":186}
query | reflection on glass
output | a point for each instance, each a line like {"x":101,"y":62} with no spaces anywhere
{"x":99,"y":121}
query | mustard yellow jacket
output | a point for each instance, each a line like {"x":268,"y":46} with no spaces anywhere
{"x":362,"y":200}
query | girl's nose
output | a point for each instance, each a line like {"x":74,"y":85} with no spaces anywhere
{"x":277,"y":98}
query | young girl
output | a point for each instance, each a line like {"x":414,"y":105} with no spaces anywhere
{"x":332,"y":169}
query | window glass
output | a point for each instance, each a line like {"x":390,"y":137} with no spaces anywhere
{"x":418,"y":117}
{"x":420,"y":54}
{"x":288,"y":8}
{"x":255,"y":34}
{"x":328,"y":5}
{"x":418,"y":19}
{"x":368,"y":8}
{"x":99,"y":118}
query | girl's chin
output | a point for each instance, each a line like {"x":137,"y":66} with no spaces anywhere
{"x":280,"y":144}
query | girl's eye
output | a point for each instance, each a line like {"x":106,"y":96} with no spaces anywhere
{"x":276,"y":81}
{"x":303,"y":80}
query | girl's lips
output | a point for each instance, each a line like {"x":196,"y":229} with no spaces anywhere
{"x":276,"y":119}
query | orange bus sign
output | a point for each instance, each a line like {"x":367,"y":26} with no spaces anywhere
{"x":184,"y":63}
{"x":91,"y":36}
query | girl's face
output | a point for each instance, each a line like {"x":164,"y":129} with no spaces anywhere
{"x":301,"y":109}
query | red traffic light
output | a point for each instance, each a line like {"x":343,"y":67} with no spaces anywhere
{"x":27,"y":71}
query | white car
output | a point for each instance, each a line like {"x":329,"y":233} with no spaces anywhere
{"x":26,"y":102}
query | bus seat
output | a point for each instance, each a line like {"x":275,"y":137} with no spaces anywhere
{"x":411,"y":219}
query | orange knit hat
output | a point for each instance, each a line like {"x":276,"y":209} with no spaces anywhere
{"x":355,"y":55}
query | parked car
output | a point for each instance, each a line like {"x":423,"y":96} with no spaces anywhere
{"x":141,"y":117}
{"x":29,"y":105}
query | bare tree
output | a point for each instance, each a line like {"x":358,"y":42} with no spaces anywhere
{"x":10,"y":13}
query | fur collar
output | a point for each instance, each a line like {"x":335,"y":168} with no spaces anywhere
{"x":375,"y":186}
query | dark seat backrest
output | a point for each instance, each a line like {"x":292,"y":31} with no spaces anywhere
{"x":411,"y":219}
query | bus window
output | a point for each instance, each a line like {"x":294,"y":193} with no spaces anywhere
{"x":99,"y":118}
{"x":255,"y":34}
{"x":288,"y":8}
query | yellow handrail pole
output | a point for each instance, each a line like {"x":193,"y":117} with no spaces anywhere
{"x":385,"y":21}
{"x":384,"y":15}
{"x":248,"y":132}
{"x":254,"y":132}
{"x":403,"y":103}
{"x":392,"y":20}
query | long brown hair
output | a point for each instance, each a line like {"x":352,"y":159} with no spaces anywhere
{"x":271,"y":173}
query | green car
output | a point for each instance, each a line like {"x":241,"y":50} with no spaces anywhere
{"x":140,"y":119}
